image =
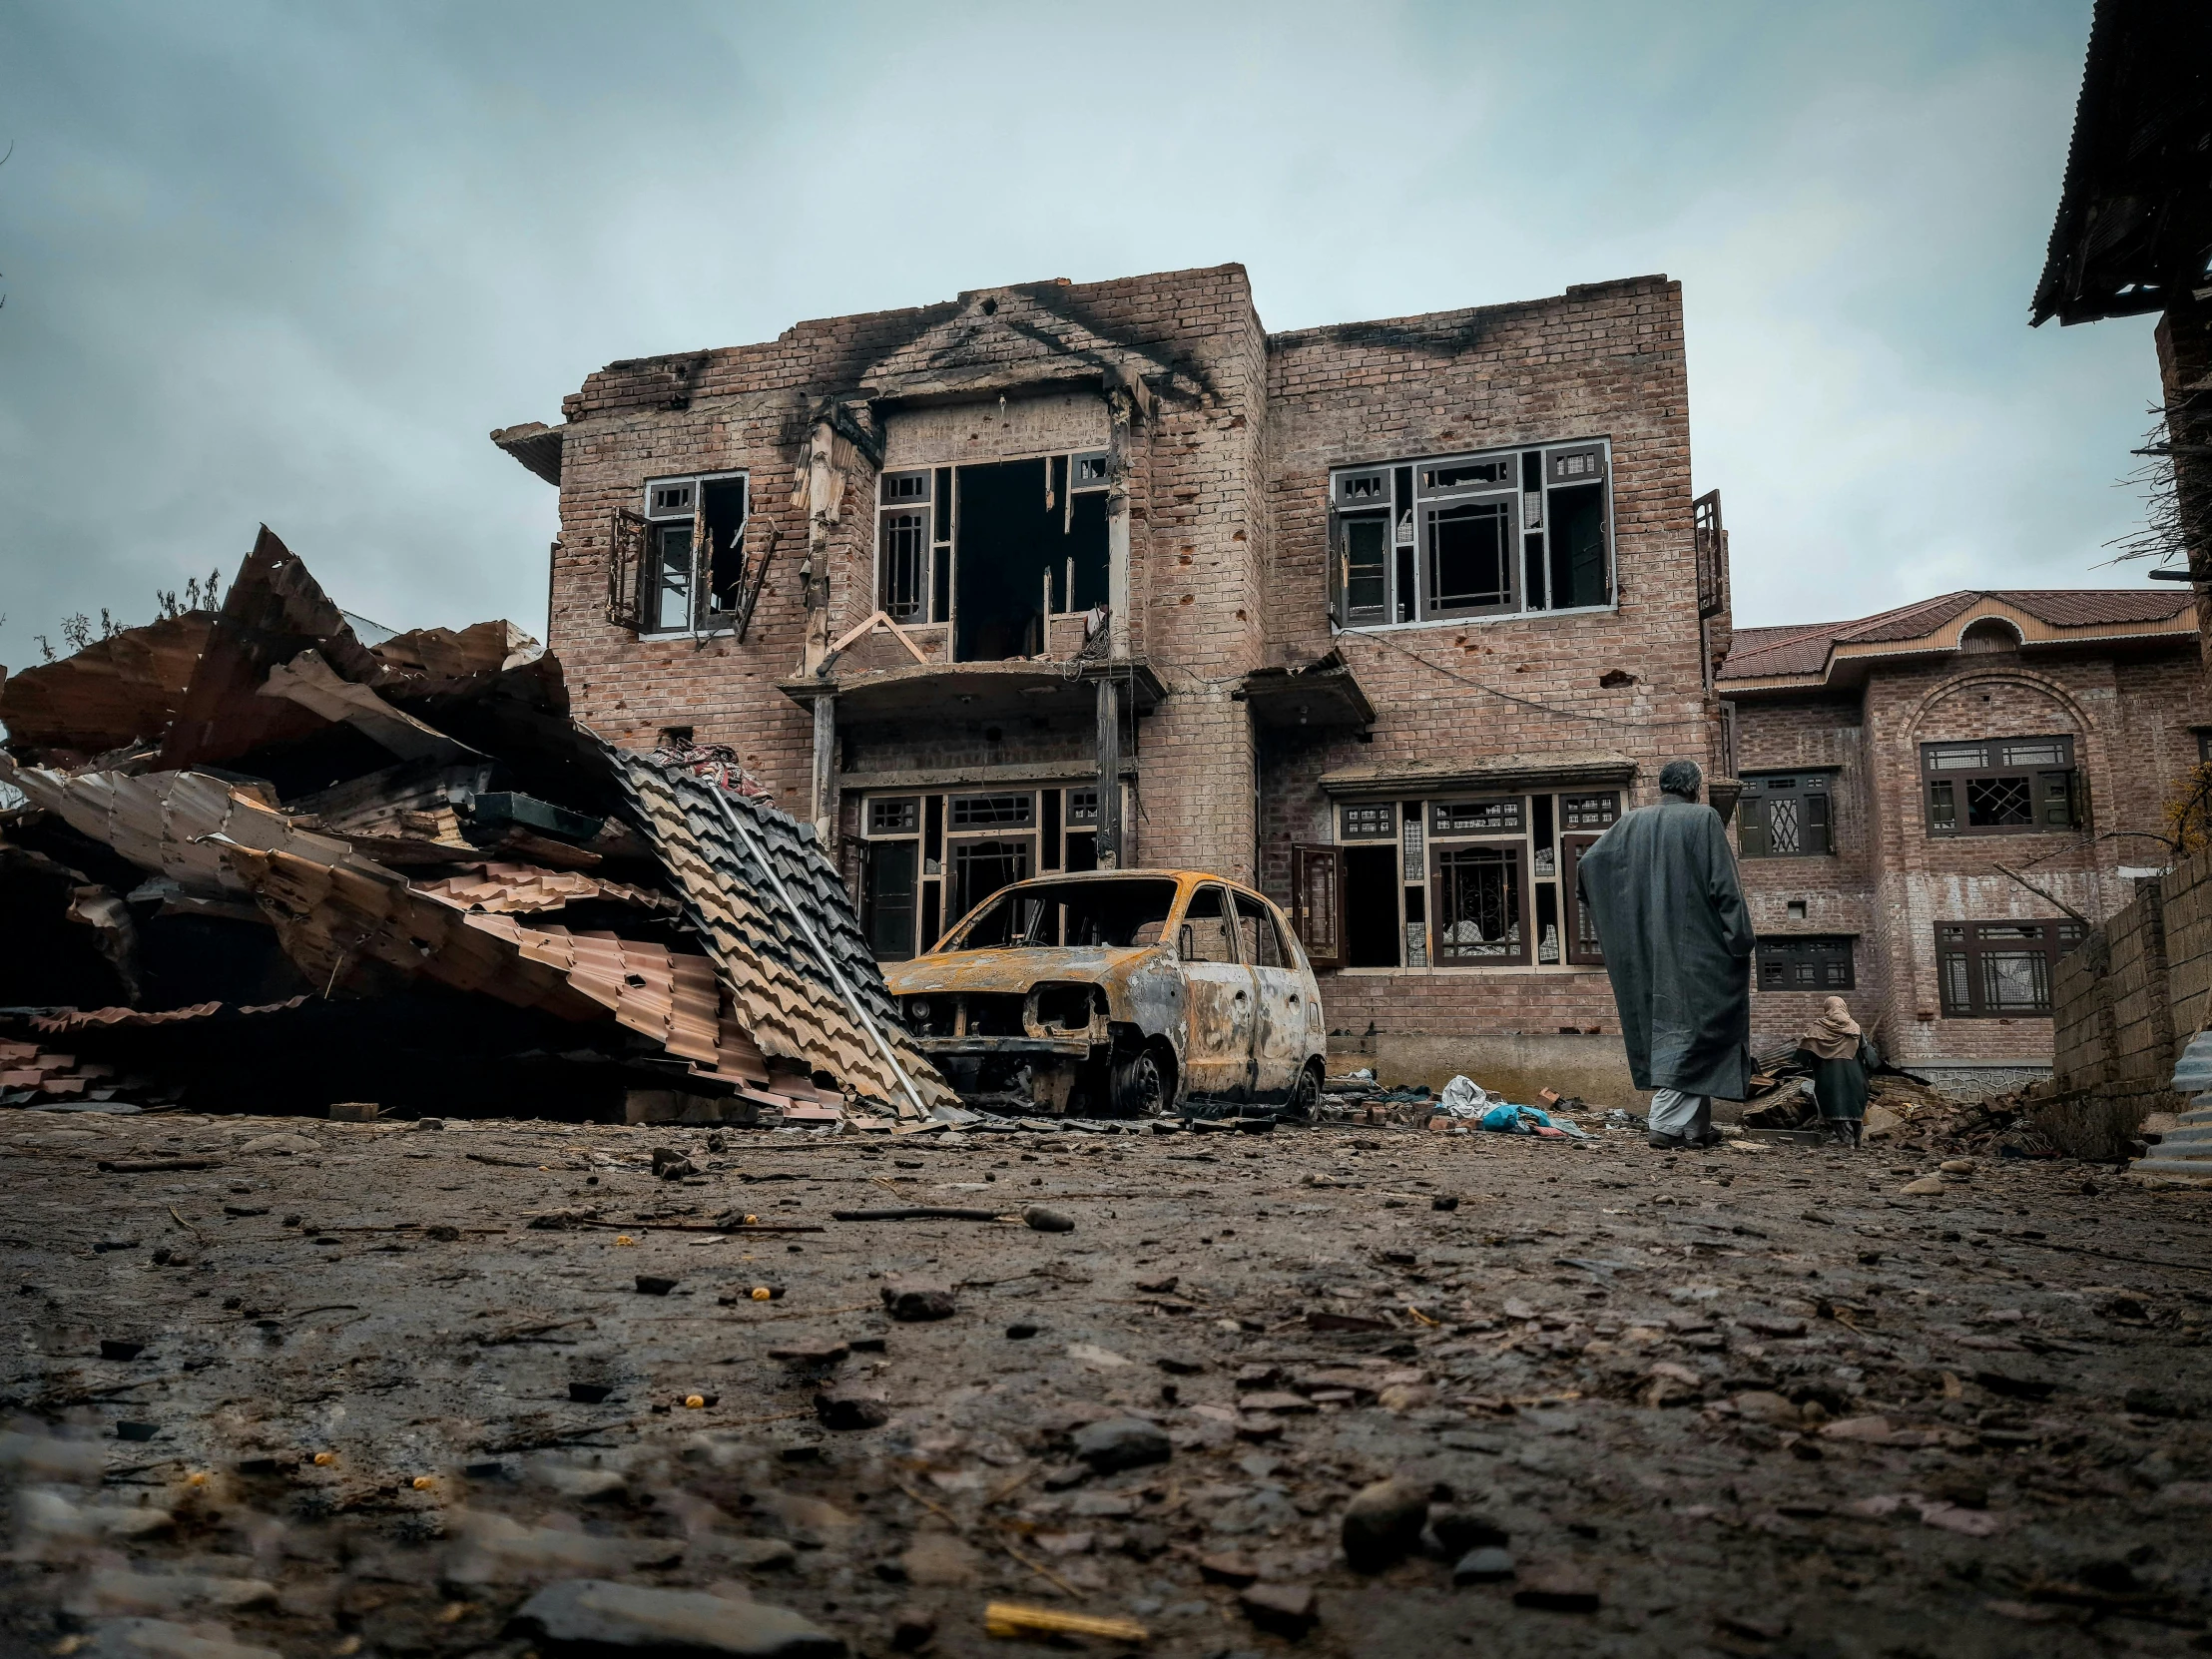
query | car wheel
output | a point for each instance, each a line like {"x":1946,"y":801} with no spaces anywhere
{"x":1141,"y":1088}
{"x":1304,"y":1104}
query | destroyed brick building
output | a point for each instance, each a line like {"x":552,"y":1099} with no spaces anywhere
{"x":1896,"y":768}
{"x":1388,"y":618}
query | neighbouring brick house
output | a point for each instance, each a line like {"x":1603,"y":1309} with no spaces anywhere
{"x":1390,"y":618}
{"x":1890,"y":766}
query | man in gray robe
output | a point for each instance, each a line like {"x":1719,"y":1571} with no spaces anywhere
{"x":1661,"y":885}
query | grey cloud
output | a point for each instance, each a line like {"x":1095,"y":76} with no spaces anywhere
{"x":292,"y":264}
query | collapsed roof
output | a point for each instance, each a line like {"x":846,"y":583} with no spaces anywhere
{"x":252,"y":821}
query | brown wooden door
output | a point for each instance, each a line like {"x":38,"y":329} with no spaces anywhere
{"x":1318,"y":903}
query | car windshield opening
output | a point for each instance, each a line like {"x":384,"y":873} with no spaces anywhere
{"x":1103,"y":914}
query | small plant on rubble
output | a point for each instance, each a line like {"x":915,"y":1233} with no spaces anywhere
{"x":77,"y":631}
{"x":2188,"y":810}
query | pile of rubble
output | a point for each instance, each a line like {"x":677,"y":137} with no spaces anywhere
{"x":265,"y":859}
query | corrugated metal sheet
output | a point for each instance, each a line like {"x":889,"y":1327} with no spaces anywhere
{"x":114,"y":692}
{"x":160,"y":822}
{"x":783,"y":969}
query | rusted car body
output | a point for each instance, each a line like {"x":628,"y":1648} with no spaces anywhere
{"x":1119,"y":991}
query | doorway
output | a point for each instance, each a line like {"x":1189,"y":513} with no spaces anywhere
{"x":1371,"y":906}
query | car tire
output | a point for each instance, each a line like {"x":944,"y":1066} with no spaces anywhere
{"x":1304,"y":1104}
{"x":1143,"y":1083}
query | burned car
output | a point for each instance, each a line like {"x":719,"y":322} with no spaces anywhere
{"x":1119,"y":991}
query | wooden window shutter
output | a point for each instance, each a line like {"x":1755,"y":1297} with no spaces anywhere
{"x":1751,"y":824}
{"x":2077,"y":799}
{"x":1316,"y":900}
{"x":1817,"y":837}
{"x":626,"y":569}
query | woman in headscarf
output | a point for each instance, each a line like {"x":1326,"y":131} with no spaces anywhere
{"x":1839,"y":1055}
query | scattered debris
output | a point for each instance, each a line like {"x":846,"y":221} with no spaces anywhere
{"x":461,"y":891}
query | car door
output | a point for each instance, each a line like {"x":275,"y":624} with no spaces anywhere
{"x":1278,"y":1045}
{"x":1216,"y":1048}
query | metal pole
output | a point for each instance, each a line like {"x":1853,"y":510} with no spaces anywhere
{"x":1109,"y":770}
{"x":821,"y":952}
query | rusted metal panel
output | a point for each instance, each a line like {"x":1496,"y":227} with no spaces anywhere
{"x":273,"y":611}
{"x":115,"y":691}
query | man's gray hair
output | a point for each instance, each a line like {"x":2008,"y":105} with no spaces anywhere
{"x":1680,"y":778}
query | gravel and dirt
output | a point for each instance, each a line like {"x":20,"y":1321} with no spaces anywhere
{"x":325,"y":1388}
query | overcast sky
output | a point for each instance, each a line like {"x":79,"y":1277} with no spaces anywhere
{"x":292,"y":262}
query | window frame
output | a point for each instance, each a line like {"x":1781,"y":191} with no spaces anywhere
{"x":1771,"y":954}
{"x":1410,"y":498}
{"x":1966,"y":947}
{"x":1942,"y":785}
{"x":1804,"y":784}
{"x":661,"y":517}
{"x":1516,"y":851}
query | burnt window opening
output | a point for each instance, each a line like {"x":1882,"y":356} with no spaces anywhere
{"x":1501,"y":533}
{"x":672,"y":737}
{"x":1025,"y":548}
{"x":2001,"y":969}
{"x":963,"y":847}
{"x":978,"y":811}
{"x":982,"y":867}
{"x":997,"y":550}
{"x":689,"y":553}
{"x":1454,"y":883}
{"x":1813,"y":963}
{"x":897,"y":817}
{"x":2003,"y":786}
{"x":1785,"y":815}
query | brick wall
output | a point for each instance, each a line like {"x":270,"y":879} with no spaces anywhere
{"x":2131,"y":709}
{"x":1604,"y":360}
{"x":2122,"y":1001}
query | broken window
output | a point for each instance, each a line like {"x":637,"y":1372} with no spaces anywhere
{"x":997,"y":550}
{"x":1785,"y":815}
{"x":1814,"y":962}
{"x":1110,"y":914}
{"x":1204,"y":936}
{"x":1263,"y":944}
{"x":679,"y":566}
{"x":1506,"y":532}
{"x":1482,"y":882}
{"x":961,"y":846}
{"x":2001,"y":969}
{"x":2002,"y":786}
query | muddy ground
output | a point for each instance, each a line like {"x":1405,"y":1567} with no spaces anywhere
{"x":1754,"y":1401}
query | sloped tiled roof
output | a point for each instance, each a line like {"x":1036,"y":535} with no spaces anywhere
{"x":770,"y":910}
{"x":1806,"y":648}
